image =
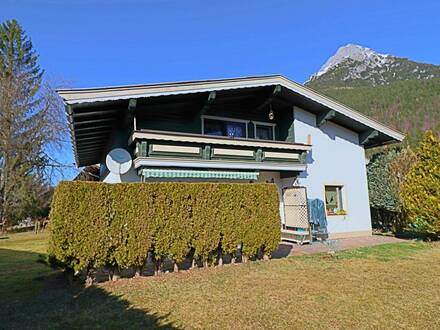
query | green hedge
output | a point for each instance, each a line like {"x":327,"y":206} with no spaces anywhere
{"x":100,"y":225}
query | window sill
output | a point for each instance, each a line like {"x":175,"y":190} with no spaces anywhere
{"x":337,"y":216}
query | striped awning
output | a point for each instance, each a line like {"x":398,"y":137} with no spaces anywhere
{"x":198,"y":174}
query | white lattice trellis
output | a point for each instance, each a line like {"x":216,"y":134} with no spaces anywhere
{"x":295,"y":207}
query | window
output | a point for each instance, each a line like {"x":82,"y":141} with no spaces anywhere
{"x":333,"y":200}
{"x":264,"y":131}
{"x":224,"y":127}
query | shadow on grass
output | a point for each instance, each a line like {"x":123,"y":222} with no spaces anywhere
{"x":282,"y":251}
{"x":37,"y":297}
{"x":411,"y":234}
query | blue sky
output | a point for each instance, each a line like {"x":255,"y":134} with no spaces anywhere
{"x":98,"y":43}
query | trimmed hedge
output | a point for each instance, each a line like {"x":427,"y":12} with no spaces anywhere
{"x":97,"y":225}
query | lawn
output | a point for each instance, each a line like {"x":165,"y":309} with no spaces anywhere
{"x":388,"y":286}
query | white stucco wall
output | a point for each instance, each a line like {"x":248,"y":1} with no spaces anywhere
{"x":336,"y":158}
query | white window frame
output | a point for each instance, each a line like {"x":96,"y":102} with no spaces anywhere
{"x":203,"y":117}
{"x":261,"y":123}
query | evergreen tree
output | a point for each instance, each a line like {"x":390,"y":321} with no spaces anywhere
{"x":386,"y":172}
{"x":421,"y":189}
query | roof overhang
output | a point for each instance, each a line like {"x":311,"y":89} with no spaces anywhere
{"x":92,"y":112}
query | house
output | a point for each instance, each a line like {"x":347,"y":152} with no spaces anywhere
{"x":252,"y":129}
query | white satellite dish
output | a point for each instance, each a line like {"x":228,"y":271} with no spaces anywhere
{"x":118,"y":161}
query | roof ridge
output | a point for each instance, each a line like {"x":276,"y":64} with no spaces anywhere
{"x":180,"y":82}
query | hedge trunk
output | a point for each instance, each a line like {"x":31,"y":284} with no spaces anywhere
{"x":116,"y":274}
{"x":157,"y":268}
{"x":138,"y":271}
{"x":220,"y":258}
{"x":69,"y":275}
{"x":90,"y":278}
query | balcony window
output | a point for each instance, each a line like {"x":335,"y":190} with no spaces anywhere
{"x":264,"y":131}
{"x":224,"y":127}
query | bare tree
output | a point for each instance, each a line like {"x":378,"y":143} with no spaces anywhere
{"x":31,"y":122}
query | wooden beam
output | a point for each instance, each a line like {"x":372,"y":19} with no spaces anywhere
{"x":291,"y":129}
{"x":94,"y":113}
{"x":276,"y":91}
{"x":325,"y":117}
{"x":90,"y":155}
{"x":95,"y":128}
{"x":132,"y":104}
{"x":130,"y":116}
{"x":86,"y":146}
{"x":89,"y":149}
{"x":94,"y":137}
{"x":69,"y":110}
{"x":92,"y":134}
{"x":89,"y":160}
{"x":91,"y":141}
{"x":93,"y":121}
{"x":211,"y":98}
{"x":97,"y":146}
{"x":366,"y":136}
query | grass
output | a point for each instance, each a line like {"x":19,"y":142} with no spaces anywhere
{"x":18,"y":266}
{"x":387,"y":286}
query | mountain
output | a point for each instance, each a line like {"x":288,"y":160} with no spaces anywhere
{"x":396,"y":91}
{"x":354,"y":65}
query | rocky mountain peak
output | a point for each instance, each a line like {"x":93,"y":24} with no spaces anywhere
{"x":355,"y":53}
{"x":354,"y":65}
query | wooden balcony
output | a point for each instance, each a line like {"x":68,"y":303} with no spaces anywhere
{"x":173,"y":149}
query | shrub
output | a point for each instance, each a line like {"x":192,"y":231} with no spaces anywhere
{"x":79,"y":222}
{"x":386,"y":171}
{"x":421,"y":188}
{"x":229,"y":218}
{"x":97,"y":224}
{"x":207,"y":213}
{"x":131,"y":228}
{"x":383,"y":194}
{"x":172,"y":205}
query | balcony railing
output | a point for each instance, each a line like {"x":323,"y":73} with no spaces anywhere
{"x":173,"y":149}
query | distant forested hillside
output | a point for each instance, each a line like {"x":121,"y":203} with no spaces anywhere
{"x":396,"y":91}
{"x":412,"y":106}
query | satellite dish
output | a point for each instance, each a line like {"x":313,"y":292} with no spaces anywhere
{"x":118,"y":161}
